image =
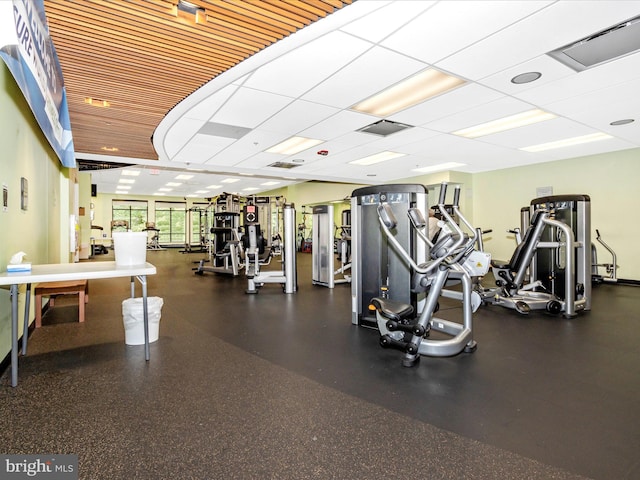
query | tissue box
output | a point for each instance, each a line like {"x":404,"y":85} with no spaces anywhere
{"x":19,"y":267}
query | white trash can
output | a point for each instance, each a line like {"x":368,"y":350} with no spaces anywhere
{"x":133,"y":318}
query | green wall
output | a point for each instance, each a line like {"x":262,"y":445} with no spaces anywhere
{"x":610,"y":180}
{"x":36,"y":231}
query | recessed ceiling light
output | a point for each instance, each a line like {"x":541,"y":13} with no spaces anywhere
{"x":121,"y":192}
{"x":123,"y":187}
{"x":507,"y":123}
{"x":377,"y":158}
{"x":173,"y":184}
{"x":526,"y":78}
{"x":204,"y":191}
{"x":622,"y":122}
{"x":268,"y":184}
{"x":247,"y":174}
{"x":213,"y":187}
{"x":183,"y":176}
{"x":568,"y":142}
{"x":438,"y":168}
{"x":409,"y":92}
{"x":294,"y":145}
{"x":159,"y":194}
{"x":250,"y":189}
{"x":126,"y":180}
{"x":131,"y":173}
{"x":163,"y":189}
{"x":96,"y":102}
{"x":109,"y":149}
{"x":229,"y":180}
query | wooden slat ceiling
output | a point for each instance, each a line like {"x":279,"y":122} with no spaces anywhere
{"x":144,"y":56}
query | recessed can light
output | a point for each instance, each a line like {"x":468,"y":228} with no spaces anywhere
{"x":622,"y":122}
{"x":526,"y":77}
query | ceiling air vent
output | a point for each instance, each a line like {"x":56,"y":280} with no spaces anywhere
{"x":384,"y":128}
{"x":601,"y":47}
{"x":283,"y":165}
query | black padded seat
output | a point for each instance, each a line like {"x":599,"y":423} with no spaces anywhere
{"x":391,"y":309}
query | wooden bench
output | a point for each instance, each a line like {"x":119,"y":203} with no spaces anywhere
{"x":50,"y":289}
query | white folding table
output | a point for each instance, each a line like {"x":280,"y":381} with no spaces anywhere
{"x":68,"y":271}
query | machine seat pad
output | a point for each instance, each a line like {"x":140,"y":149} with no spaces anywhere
{"x":501,"y":264}
{"x":391,"y":309}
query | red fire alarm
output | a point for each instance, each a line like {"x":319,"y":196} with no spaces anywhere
{"x":324,"y":153}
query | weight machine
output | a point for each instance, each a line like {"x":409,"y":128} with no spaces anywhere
{"x":450,"y":260}
{"x":323,"y":245}
{"x":555,"y":256}
{"x":257,"y":255}
{"x":223,"y":246}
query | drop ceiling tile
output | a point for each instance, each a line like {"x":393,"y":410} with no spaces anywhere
{"x":254,"y":142}
{"x":384,"y":21}
{"x":590,"y":80}
{"x":249,"y":107}
{"x":486,"y":112}
{"x":459,"y":100}
{"x":295,"y":72}
{"x":209,"y":106}
{"x":550,"y":69}
{"x":449,"y":27}
{"x":552,"y":27}
{"x":179,"y":135}
{"x":201,"y":148}
{"x":336,"y":125}
{"x":297,"y":116}
{"x":543,"y":132}
{"x":370,"y":73}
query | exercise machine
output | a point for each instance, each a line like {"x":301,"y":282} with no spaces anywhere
{"x":153,"y":242}
{"x":257,"y":255}
{"x":449,"y":260}
{"x":555,"y":256}
{"x":324,"y":243}
{"x":378,"y":269}
{"x":223,"y":240}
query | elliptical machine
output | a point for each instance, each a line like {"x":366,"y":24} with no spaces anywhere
{"x":400,"y":325}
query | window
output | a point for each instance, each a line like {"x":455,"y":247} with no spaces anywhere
{"x":200,"y":223}
{"x":133,"y":211}
{"x":170,"y":220}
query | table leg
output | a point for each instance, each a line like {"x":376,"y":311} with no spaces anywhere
{"x":14,"y":335}
{"x":143,"y":281}
{"x":25,"y":329}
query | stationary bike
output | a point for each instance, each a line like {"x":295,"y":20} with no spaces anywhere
{"x":403,"y":328}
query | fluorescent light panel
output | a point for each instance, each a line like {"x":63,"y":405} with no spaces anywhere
{"x":377,"y":158}
{"x":294,"y":145}
{"x":268,"y":184}
{"x":507,"y":123}
{"x":409,"y":92}
{"x":173,"y":184}
{"x":439,"y":168}
{"x":567,"y":142}
{"x":183,"y":176}
{"x":229,"y":180}
{"x":131,"y":173}
{"x":213,"y":187}
{"x":126,"y":180}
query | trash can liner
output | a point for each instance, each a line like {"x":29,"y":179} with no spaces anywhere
{"x":133,"y":319}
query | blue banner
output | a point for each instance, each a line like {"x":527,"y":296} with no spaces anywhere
{"x":28,"y":51}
